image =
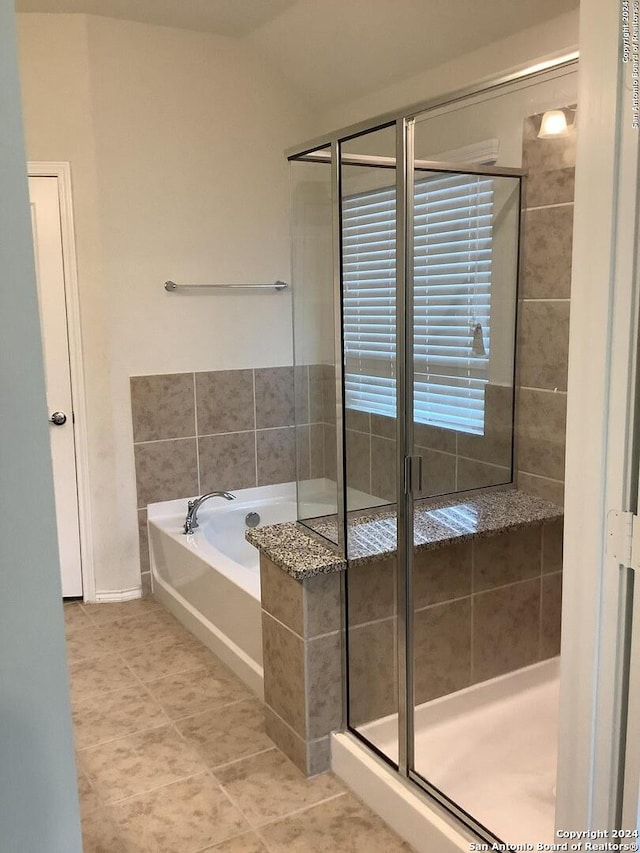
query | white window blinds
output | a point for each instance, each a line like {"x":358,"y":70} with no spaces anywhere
{"x":453,"y":217}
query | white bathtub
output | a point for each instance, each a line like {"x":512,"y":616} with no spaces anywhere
{"x":210,"y":579}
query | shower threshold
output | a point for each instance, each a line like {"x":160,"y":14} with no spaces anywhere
{"x":491,"y":748}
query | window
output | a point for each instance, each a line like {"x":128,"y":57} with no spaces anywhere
{"x":453,"y":215}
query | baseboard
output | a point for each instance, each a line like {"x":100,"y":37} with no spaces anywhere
{"x":119,"y":595}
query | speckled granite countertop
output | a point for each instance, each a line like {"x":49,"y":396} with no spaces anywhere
{"x":373,"y":537}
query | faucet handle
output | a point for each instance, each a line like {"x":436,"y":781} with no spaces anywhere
{"x":191,"y":504}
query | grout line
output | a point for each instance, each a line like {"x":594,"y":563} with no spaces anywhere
{"x":543,"y":390}
{"x":542,"y":477}
{"x":303,"y":809}
{"x":233,"y":761}
{"x":100,"y":744}
{"x":195,"y":409}
{"x":255,"y":428}
{"x":190,"y":716}
{"x":114,"y":803}
{"x":555,"y":204}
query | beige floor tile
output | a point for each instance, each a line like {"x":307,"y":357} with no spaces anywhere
{"x":199,"y":690}
{"x":101,"y":613}
{"x":167,"y":657}
{"x":181,"y":818}
{"x":139,"y":763}
{"x":227,"y":734}
{"x":89,"y":800}
{"x":75,"y":618}
{"x":87,"y":644}
{"x":268,"y":786}
{"x":342,"y":824}
{"x":123,"y":634}
{"x":90,"y":677}
{"x":107,"y":716}
{"x":247,"y":843}
{"x":99,"y":834}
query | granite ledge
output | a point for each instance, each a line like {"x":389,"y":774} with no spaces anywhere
{"x":294,"y":551}
{"x":373,"y":537}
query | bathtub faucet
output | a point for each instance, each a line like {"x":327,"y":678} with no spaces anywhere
{"x":191,"y":521}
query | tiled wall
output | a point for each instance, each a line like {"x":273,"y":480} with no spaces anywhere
{"x":452,"y":461}
{"x":544,"y":317}
{"x":301,"y":642}
{"x":481,"y":609}
{"x":199,"y":432}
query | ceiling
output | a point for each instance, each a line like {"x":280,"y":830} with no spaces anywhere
{"x":337,"y":50}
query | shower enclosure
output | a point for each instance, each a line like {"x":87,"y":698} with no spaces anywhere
{"x":406,"y":240}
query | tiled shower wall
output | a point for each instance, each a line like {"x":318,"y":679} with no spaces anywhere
{"x":544,"y":318}
{"x":200,"y":432}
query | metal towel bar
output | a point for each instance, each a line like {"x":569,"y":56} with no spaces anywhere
{"x":171,"y":286}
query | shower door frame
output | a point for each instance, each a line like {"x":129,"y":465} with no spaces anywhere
{"x":594,"y":743}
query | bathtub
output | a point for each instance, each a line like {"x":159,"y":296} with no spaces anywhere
{"x":210,"y":579}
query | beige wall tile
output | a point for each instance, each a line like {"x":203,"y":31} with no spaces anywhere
{"x":544,"y":344}
{"x":322,"y":604}
{"x":478,"y":475}
{"x":552,"y":541}
{"x":544,"y":154}
{"x":162,"y":406}
{"x":384,"y":426}
{"x":551,"y":619}
{"x":371,"y":591}
{"x":301,"y":393}
{"x":323,"y":664}
{"x":507,"y":558}
{"x":227,"y":462}
{"x":224,"y":401}
{"x":316,"y":451}
{"x":383,"y":468}
{"x":506,"y":626}
{"x":276,"y":455}
{"x":166,"y":470}
{"x":288,"y":741}
{"x":434,"y":438}
{"x":441,"y":574}
{"x":358,"y":421}
{"x":372,"y":671}
{"x":281,"y":595}
{"x":541,"y":432}
{"x":316,"y":401}
{"x":548,"y":235}
{"x":442,"y":649}
{"x":274,"y":392}
{"x":549,"y":490}
{"x":303,"y":452}
{"x":438,"y":472}
{"x":284,"y":676}
{"x":555,"y":186}
{"x":358,"y":456}
{"x":329,"y":451}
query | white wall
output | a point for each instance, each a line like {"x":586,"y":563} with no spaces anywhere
{"x":175,"y":140}
{"x":38,"y":791}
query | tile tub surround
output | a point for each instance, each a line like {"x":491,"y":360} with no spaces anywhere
{"x":173,"y":755}
{"x":224,"y":429}
{"x":543,"y":336}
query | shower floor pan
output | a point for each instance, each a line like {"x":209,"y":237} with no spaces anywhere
{"x":491,"y":748}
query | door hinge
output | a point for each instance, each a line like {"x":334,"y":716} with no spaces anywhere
{"x":623,"y":538}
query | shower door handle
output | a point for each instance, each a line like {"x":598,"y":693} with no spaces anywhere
{"x":412,"y":474}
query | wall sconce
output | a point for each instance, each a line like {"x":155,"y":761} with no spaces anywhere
{"x":554,"y":123}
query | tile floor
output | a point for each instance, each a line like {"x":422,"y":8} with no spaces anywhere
{"x":172,"y":755}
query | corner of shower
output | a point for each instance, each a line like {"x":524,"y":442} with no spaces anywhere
{"x":406,"y":252}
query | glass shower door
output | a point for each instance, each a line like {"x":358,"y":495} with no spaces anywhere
{"x":461,"y":307}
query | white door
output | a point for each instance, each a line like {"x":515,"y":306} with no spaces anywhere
{"x":47,"y":238}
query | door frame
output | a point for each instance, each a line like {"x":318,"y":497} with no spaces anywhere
{"x":61,"y":171}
